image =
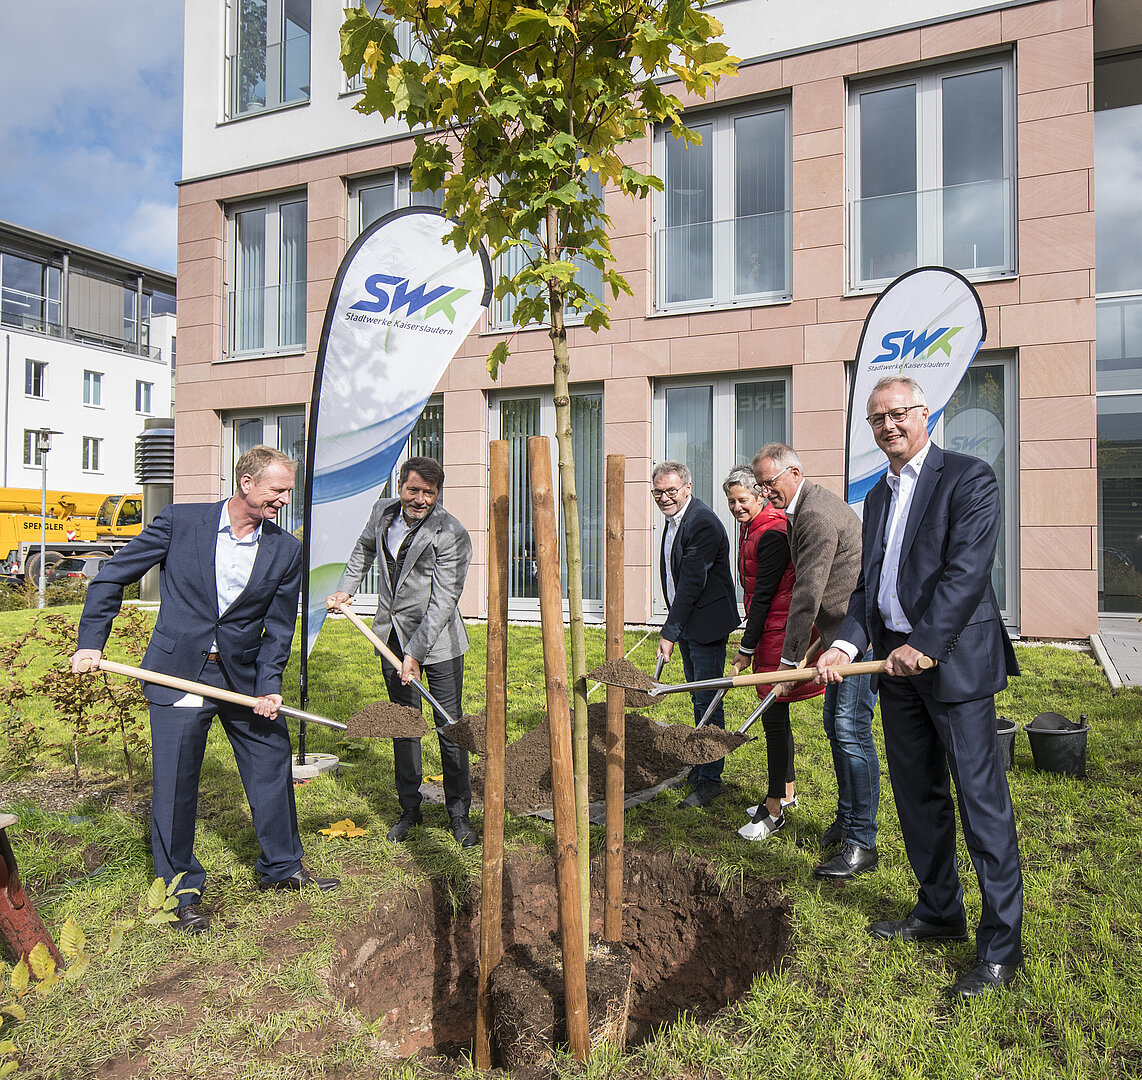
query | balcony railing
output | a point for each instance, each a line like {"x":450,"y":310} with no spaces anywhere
{"x":723,"y":262}
{"x":268,"y":318}
{"x":968,"y":227}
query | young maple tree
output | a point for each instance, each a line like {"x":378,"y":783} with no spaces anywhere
{"x":521,"y":114}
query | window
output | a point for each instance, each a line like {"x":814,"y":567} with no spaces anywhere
{"x":721,"y":227}
{"x":269,"y":55}
{"x":374,"y":196}
{"x":932,"y":177}
{"x":91,"y":448}
{"x":1118,"y":258}
{"x":280,"y":428}
{"x":35,"y":378}
{"x":143,"y":397}
{"x":711,"y":425}
{"x":408,"y":47}
{"x":517,"y":417}
{"x":92,"y":388}
{"x":268,"y":268}
{"x":30,"y":294}
{"x":33,"y":455}
{"x":512,"y":262}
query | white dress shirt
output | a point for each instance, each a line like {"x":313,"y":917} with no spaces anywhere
{"x":673,"y":524}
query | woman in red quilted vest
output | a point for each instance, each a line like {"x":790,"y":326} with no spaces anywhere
{"x":766,"y":573}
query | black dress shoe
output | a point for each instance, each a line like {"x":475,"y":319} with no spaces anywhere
{"x":833,"y":835}
{"x":848,"y":862}
{"x":983,"y":978}
{"x":702,"y":795}
{"x":913,"y":929}
{"x":296,"y":882}
{"x":406,"y":821}
{"x":191,"y":919}
{"x":466,"y":835}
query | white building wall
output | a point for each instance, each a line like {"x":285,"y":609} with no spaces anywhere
{"x":114,"y":420}
{"x":213,"y":145}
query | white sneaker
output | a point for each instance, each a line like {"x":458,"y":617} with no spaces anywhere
{"x":763,"y":829}
{"x":786,"y":804}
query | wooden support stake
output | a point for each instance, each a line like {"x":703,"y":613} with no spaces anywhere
{"x":491,"y":894}
{"x":559,"y":722}
{"x":616,"y":704}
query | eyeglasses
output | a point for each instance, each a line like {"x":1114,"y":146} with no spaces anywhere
{"x":667,"y":493}
{"x":897,"y":416}
{"x":773,"y":479}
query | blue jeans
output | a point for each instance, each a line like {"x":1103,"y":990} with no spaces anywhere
{"x":705,"y":662}
{"x":848,"y":724}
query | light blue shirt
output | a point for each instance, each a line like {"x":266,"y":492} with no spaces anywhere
{"x":233,"y":561}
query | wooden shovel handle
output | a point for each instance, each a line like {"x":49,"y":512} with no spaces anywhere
{"x":215,"y":693}
{"x":347,"y":610}
{"x":862,"y":667}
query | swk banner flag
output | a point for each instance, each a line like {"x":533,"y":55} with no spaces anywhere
{"x":928,"y":324}
{"x":403,"y":301}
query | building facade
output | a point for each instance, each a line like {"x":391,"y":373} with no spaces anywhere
{"x":88,"y":344}
{"x":920,"y":132}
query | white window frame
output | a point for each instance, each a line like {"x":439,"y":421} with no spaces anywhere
{"x":35,"y":373}
{"x":527,"y":608}
{"x":92,"y":449}
{"x":93,"y":389}
{"x":33,"y":455}
{"x":271,"y":436}
{"x":929,"y":157}
{"x":723,"y":223}
{"x":272,"y":272}
{"x":400,"y":179}
{"x":144,"y":394}
{"x":724,"y":426}
{"x":276,"y":38}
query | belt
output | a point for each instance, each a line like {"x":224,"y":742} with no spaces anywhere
{"x":212,"y":656}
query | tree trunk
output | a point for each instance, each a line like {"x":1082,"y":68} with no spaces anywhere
{"x":574,"y":554}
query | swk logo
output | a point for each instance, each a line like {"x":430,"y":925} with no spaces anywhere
{"x":902,"y":344}
{"x":394,"y":294}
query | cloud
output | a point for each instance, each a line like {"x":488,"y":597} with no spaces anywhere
{"x":90,"y":135}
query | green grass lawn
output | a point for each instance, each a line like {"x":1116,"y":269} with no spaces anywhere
{"x":844,"y":1005}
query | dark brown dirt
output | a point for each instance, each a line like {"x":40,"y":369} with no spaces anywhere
{"x":411,"y":965}
{"x":634,"y":682}
{"x":469,"y":732}
{"x":384,"y":720}
{"x":654,"y":752}
{"x":529,"y":1011}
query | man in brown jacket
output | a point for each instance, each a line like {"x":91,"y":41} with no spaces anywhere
{"x":825,"y":545}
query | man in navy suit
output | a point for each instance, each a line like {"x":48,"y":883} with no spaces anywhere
{"x":930,"y":530}
{"x":228,"y":586}
{"x":699,"y":587}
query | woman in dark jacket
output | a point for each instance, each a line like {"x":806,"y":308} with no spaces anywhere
{"x":766,"y":574}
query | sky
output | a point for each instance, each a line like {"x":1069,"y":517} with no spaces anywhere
{"x":90,"y":129}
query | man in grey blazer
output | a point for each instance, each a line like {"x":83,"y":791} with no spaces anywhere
{"x":825,"y":546}
{"x":422,"y":554}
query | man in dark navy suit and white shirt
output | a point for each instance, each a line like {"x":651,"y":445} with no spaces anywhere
{"x":930,"y":531}
{"x":694,"y":565}
{"x":228,"y":587}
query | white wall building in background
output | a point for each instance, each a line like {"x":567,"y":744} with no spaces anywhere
{"x":88,"y":350}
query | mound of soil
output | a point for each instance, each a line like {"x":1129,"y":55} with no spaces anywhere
{"x":470,"y":732}
{"x":411,"y":964}
{"x":654,"y":752}
{"x":384,"y":720}
{"x":634,"y":681}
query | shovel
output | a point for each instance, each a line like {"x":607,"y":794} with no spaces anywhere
{"x":863,"y":667}
{"x":635,"y":692}
{"x":395,"y":660}
{"x":769,"y":700}
{"x":206,"y":690}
